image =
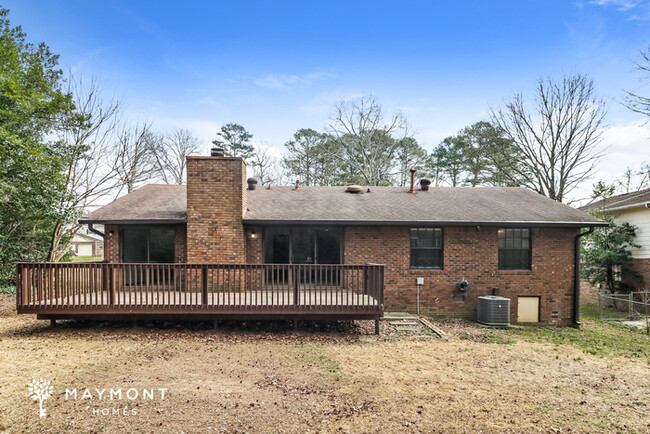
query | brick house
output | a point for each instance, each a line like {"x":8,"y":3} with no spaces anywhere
{"x":633,"y":208}
{"x":502,"y":241}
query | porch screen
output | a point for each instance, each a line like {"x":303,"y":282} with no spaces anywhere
{"x":148,"y":244}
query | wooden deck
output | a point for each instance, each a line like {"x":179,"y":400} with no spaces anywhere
{"x":103,"y":290}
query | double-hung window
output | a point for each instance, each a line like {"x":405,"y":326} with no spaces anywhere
{"x":514,"y":249}
{"x":426,"y":248}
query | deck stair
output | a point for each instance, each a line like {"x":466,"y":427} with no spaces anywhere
{"x":402,"y":321}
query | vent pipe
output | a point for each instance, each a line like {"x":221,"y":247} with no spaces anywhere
{"x":252,"y":183}
{"x":424,"y":184}
{"x":297,"y":184}
{"x":412,"y":189}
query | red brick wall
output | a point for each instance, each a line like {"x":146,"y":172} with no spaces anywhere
{"x":180,"y":248}
{"x":112,"y":243}
{"x":254,"y":245}
{"x":471,"y":254}
{"x":468,"y":253}
{"x":216,"y":202}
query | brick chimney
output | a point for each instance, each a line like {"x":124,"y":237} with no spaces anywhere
{"x":216,"y":203}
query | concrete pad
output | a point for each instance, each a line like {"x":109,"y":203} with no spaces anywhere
{"x":398,"y":315}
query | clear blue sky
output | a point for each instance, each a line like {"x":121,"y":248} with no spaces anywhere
{"x":275,"y":67}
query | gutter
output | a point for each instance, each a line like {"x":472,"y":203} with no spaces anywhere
{"x":624,"y":207}
{"x":132,"y":222}
{"x":576,"y":278}
{"x":95,"y":231}
{"x":274,"y":222}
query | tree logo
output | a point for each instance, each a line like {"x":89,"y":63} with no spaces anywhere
{"x":40,"y":390}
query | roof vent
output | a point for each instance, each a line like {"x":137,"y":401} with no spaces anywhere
{"x":252,"y":183}
{"x":354,"y":189}
{"x":424,"y":184}
{"x":216,"y":152}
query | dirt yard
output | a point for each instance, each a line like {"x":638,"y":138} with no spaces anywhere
{"x":336,"y":378}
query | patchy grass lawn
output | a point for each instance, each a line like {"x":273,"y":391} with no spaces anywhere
{"x":342,"y":379}
{"x":86,"y":258}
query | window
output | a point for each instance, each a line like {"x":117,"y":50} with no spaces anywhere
{"x":148,"y":244}
{"x":426,"y":248}
{"x":514,"y":249}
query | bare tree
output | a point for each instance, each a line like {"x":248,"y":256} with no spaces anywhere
{"x":170,"y":155}
{"x":134,"y":155}
{"x":266,"y":166}
{"x":369,"y":141}
{"x":558,"y":141}
{"x":86,"y":140}
{"x":634,"y":180}
{"x":633,"y":101}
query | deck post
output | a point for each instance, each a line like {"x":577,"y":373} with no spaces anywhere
{"x":377,"y":327}
{"x":204,"y":285}
{"x":115,"y":278}
{"x":24,"y":287}
{"x":106,"y":286}
{"x":296,"y":276}
{"x":52,"y":323}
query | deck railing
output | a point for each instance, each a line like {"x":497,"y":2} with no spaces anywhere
{"x":97,"y":287}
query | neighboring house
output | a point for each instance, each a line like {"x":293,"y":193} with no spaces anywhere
{"x":87,"y":245}
{"x":224,"y":245}
{"x":633,"y":208}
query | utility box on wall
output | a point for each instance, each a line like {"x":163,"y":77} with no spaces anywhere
{"x":493,"y":311}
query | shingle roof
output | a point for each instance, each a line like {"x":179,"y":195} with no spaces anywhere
{"x":153,"y":203}
{"x":395,"y":205}
{"x":461,"y":205}
{"x":627,"y":200}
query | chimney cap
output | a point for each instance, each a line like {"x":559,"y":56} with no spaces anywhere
{"x":216,"y":152}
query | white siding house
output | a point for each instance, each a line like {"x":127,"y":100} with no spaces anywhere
{"x":633,"y":208}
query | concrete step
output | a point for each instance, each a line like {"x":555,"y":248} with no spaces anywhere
{"x":398,"y":315}
{"x":404,"y":322}
{"x":407,"y":329}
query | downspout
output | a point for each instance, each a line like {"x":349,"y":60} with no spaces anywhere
{"x":576,"y":278}
{"x":95,"y":231}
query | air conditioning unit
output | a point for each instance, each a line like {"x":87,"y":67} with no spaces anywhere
{"x":493,"y":311}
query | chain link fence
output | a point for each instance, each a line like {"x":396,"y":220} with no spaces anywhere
{"x":631,"y":309}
